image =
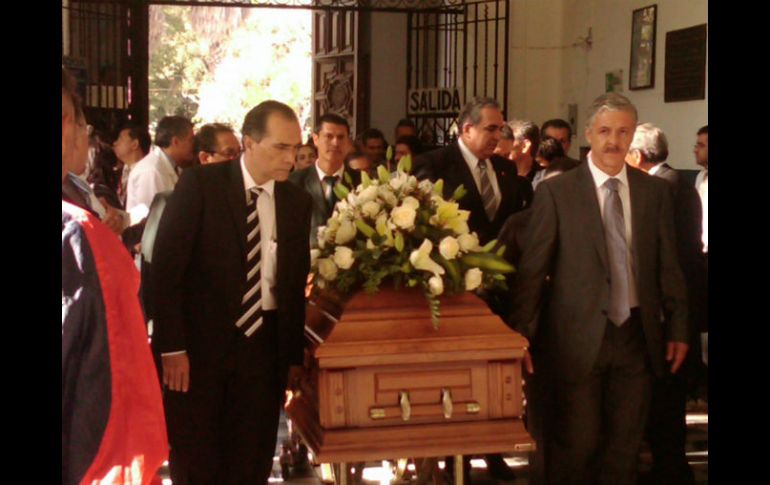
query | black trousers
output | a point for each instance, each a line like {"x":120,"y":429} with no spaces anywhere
{"x":223,"y":430}
{"x":597,"y":424}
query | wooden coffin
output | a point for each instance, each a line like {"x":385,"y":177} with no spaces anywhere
{"x":386,"y":384}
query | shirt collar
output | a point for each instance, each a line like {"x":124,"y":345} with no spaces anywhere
{"x":162,"y":155}
{"x":322,"y":174}
{"x":601,"y":177}
{"x":655,"y":169}
{"x":248,"y":181}
{"x":469,"y":157}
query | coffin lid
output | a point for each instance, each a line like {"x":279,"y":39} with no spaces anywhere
{"x":394,"y":327}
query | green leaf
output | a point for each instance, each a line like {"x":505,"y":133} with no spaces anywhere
{"x":383,"y":174}
{"x":365,"y":180}
{"x":501,"y":250}
{"x":399,"y":242}
{"x":364,"y":227}
{"x":452,"y":269}
{"x":459,"y":192}
{"x":489,"y":246}
{"x":346,"y":176}
{"x":340,"y":191}
{"x":438,"y":188}
{"x":389,"y":153}
{"x":405,"y":164}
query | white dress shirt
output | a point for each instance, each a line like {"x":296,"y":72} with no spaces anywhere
{"x":655,"y":168}
{"x":267,"y":236}
{"x":267,"y":240}
{"x":322,"y":174}
{"x":473,"y":164}
{"x":625,"y":199}
{"x":152,"y":174}
{"x":702,"y":185}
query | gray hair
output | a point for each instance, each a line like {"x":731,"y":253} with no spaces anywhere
{"x":651,"y":142}
{"x":507,"y":131}
{"x":610,"y":102}
{"x":471,"y":112}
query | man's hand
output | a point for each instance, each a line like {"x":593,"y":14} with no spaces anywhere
{"x":176,"y":372}
{"x":112,"y":218}
{"x":296,"y":373}
{"x":528,"y":362}
{"x":676,"y":351}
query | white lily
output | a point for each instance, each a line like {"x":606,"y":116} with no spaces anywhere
{"x":420,"y":259}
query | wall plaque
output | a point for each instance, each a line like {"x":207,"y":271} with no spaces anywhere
{"x":685,"y":77}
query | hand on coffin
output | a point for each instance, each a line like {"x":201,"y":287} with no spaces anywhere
{"x":676,"y":351}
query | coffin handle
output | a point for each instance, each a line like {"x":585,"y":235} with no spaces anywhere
{"x":446,"y":402}
{"x":406,"y":407}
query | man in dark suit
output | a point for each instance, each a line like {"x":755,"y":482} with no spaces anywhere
{"x":230,"y":263}
{"x":494,"y":191}
{"x":601,"y":240}
{"x":562,"y":131}
{"x":332,"y":138}
{"x":667,"y":428}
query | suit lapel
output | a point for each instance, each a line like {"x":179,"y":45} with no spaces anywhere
{"x":506,"y":187}
{"x":594,"y":215}
{"x":462,"y":175}
{"x":236,"y":199}
{"x":313,"y":186}
{"x":636,"y":195}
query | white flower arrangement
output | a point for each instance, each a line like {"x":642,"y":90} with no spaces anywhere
{"x":393,"y":227}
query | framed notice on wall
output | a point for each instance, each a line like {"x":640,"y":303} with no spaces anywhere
{"x":685,"y":77}
{"x":643,"y":27}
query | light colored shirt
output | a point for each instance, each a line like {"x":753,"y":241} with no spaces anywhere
{"x":625,"y":198}
{"x":655,"y":169}
{"x":473,"y":164}
{"x":322,"y":174}
{"x":702,"y":185}
{"x":267,"y":236}
{"x":152,"y":174}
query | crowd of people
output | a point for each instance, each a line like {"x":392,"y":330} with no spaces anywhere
{"x":610,"y":290}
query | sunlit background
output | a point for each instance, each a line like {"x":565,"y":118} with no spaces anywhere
{"x":213,"y":64}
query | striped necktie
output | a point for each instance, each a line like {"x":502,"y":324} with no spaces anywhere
{"x":487,"y":193}
{"x":251,"y":303}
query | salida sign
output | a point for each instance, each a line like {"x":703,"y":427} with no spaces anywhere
{"x":434,"y":100}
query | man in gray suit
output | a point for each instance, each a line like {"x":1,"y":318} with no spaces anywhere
{"x":601,"y":261}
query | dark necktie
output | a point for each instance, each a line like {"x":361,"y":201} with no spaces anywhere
{"x":487,"y":192}
{"x":330,"y":180}
{"x":251,"y":303}
{"x":617,"y":252}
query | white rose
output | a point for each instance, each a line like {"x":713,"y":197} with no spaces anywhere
{"x":345,"y":233}
{"x":426,"y":187}
{"x":320,"y":232}
{"x":321,"y":243}
{"x":403,"y":217}
{"x":314,"y":253}
{"x":472,"y":279}
{"x":341,"y":206}
{"x":449,"y":247}
{"x":343,"y":257}
{"x":327,"y":268}
{"x":411,"y":202}
{"x":369,"y":193}
{"x":386,"y":194}
{"x":397,"y":181}
{"x":371,"y":209}
{"x":436,"y":285}
{"x":468,"y":242}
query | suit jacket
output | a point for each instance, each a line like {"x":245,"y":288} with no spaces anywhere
{"x":307,"y":179}
{"x":688,"y":217}
{"x":199,"y":265}
{"x":448,"y":164}
{"x":565,"y":243}
{"x":152,"y":174}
